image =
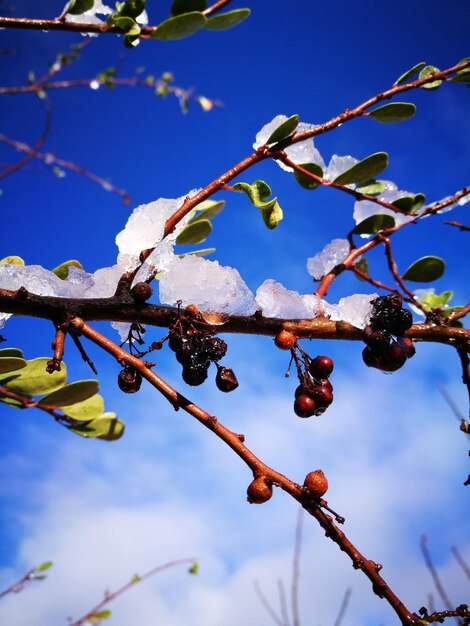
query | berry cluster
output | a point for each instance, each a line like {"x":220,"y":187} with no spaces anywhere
{"x":195,"y":350}
{"x":386,"y":348}
{"x":315,"y":392}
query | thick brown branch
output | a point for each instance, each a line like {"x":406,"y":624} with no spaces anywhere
{"x":114,"y":309}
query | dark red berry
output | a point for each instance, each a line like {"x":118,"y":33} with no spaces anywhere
{"x":259,"y":490}
{"x":226,"y":380}
{"x":376,"y":339}
{"x":324,"y":382}
{"x":321,"y":367}
{"x":285,"y":340}
{"x":394,"y":358}
{"x":304,"y":406}
{"x":216,"y":348}
{"x":129,"y":380}
{"x":370,"y":358}
{"x":316,"y":484}
{"x":175,"y":342}
{"x":407,"y":345}
{"x":301,"y":389}
{"x":194,"y":374}
{"x":322,"y":396}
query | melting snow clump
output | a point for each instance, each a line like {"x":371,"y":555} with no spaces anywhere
{"x":332,"y":255}
{"x":356,"y":309}
{"x":275,"y":300}
{"x":302,"y":152}
{"x":364,"y":208}
{"x":338,"y":165}
{"x":213,"y":288}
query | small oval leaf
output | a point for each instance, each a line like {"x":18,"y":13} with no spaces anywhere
{"x":86,"y":410}
{"x":366,"y":169}
{"x":405,"y":77}
{"x":462,"y":77}
{"x":62,"y":270}
{"x":227,"y":20}
{"x":194,"y":232}
{"x":393,"y":112}
{"x":15,"y":404}
{"x":410,"y":204}
{"x":374,"y":224}
{"x":305,"y":181}
{"x":430,"y":69}
{"x":106,"y":427}
{"x":371,"y":187}
{"x":284,"y":130}
{"x":16,"y":352}
{"x":77,"y":7}
{"x":70,"y":394}
{"x":43,"y":566}
{"x":203,"y":252}
{"x":179,"y":26}
{"x":187,"y":6}
{"x":13,"y":260}
{"x":34,"y":380}
{"x":425,"y":269}
{"x":207,"y":210}
{"x":11,"y":364}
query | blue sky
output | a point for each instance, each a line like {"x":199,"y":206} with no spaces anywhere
{"x":389,"y":446}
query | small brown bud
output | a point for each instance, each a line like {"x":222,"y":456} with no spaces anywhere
{"x":192,"y":310}
{"x":141,"y":292}
{"x":316,"y":483}
{"x":285,"y":340}
{"x":259,"y":491}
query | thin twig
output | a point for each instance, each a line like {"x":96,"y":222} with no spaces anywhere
{"x":343,"y":607}
{"x":461,"y":561}
{"x":435,"y":576}
{"x":283,"y":602}
{"x":296,"y":569}
{"x":109,"y":596}
{"x":83,"y":354}
{"x":453,"y":407}
{"x":32,"y":574}
{"x":264,"y":601}
{"x":458,"y":225}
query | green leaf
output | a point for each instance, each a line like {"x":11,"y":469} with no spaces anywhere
{"x":430,"y":69}
{"x":187,"y":6}
{"x":34,"y":380}
{"x":86,"y":410}
{"x":195,"y":232}
{"x":77,"y":7}
{"x":179,"y":26}
{"x":11,"y":364}
{"x":393,"y":112}
{"x":431,"y":301}
{"x":204,"y":252}
{"x":227,"y":20}
{"x":194,"y":568}
{"x":284,"y":130}
{"x":258,"y":194}
{"x":374,"y":224}
{"x":363,"y":266}
{"x":371,"y":187}
{"x":410,"y":73}
{"x":15,"y":404}
{"x":207,"y":210}
{"x":364,"y":170}
{"x":132,"y":8}
{"x":104,"y":614}
{"x":62,"y":270}
{"x":128,"y":25}
{"x":14,"y":260}
{"x":410,"y":204}
{"x":305,"y":181}
{"x":16,"y":352}
{"x":106,"y":427}
{"x":70,"y":394}
{"x":135,"y":579}
{"x":462,"y":77}
{"x":43,"y":566}
{"x":424,"y":270}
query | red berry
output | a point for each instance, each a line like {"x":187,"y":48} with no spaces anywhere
{"x":321,"y":367}
{"x":316,"y":484}
{"x":322,"y":396}
{"x":407,"y":345}
{"x":285,"y":340}
{"x":259,"y":490}
{"x":129,"y":380}
{"x":324,"y":382}
{"x":304,"y":406}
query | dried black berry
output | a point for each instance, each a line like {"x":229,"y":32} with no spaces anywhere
{"x":129,"y":380}
{"x":194,"y":374}
{"x":216,"y":348}
{"x":226,"y":380}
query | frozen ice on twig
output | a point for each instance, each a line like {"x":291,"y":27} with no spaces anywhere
{"x":338,"y":165}
{"x":213,"y":288}
{"x":356,"y":309}
{"x":90,"y":17}
{"x":275,"y":300}
{"x":144,"y":229}
{"x":332,"y":255}
{"x":34,"y":278}
{"x":301,"y":152}
{"x":364,"y":208}
{"x":122,"y":328}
